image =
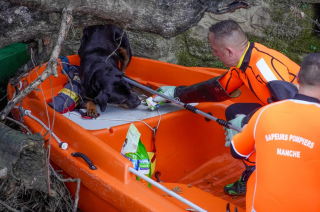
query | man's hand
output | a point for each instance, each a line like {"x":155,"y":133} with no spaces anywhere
{"x":229,"y":132}
{"x":166,"y":90}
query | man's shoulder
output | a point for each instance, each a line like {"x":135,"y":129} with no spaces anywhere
{"x":260,"y":51}
{"x":260,"y":48}
{"x":290,"y":106}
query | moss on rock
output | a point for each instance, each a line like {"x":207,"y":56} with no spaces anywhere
{"x":197,"y":52}
{"x":292,"y":35}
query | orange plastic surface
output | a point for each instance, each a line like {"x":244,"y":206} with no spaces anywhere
{"x":190,"y":150}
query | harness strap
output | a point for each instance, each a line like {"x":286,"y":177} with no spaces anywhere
{"x":65,"y":62}
{"x":70,"y":93}
{"x":154,"y":144}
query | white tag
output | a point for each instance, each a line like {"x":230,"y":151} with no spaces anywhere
{"x":132,"y":140}
{"x":151,"y":103}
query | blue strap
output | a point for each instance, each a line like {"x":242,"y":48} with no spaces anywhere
{"x":65,"y":63}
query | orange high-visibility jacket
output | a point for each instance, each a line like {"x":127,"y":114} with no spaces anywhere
{"x":259,"y":66}
{"x":286,"y":139}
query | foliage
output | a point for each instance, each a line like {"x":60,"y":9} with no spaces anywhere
{"x":197,"y":53}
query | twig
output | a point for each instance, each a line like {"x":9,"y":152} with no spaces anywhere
{"x":303,"y":15}
{"x":51,"y":66}
{"x":25,"y":127}
{"x":8,"y":207}
{"x":78,"y":180}
{"x":50,"y":129}
{"x":117,"y":46}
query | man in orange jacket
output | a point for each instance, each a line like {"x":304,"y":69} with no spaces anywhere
{"x":259,"y":68}
{"x":285,"y":137}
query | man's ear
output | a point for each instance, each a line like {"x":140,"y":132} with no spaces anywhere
{"x":102,"y":100}
{"x":229,"y":52}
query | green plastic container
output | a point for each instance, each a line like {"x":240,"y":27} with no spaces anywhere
{"x":12,"y":57}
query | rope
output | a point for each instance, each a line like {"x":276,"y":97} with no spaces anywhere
{"x":63,"y":145}
{"x":129,"y":120}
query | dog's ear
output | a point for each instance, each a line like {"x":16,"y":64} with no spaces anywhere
{"x":102,"y":100}
{"x":83,"y":40}
{"x":85,"y":33}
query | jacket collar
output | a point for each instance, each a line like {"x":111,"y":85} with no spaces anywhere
{"x":246,"y":58}
{"x":241,"y":59}
{"x":306,"y":98}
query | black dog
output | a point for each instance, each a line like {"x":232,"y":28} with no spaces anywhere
{"x":102,"y":48}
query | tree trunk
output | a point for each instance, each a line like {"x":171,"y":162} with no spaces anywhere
{"x":24,"y":156}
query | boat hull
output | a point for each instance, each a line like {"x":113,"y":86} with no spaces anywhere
{"x":190,"y":151}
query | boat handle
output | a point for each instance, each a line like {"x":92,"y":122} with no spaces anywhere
{"x":85,"y":158}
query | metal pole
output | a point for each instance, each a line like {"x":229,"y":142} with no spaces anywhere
{"x":168,"y":191}
{"x":181,"y":104}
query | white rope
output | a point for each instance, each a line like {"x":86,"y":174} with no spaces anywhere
{"x":64,"y":145}
{"x":129,"y":120}
{"x":135,"y":120}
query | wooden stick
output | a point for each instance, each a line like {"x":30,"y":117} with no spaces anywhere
{"x":51,"y":65}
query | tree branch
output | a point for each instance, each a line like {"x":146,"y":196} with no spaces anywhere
{"x":8,"y":207}
{"x":78,"y":180}
{"x":24,"y":127}
{"x":51,"y":65}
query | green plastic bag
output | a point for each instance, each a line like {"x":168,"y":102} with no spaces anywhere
{"x":135,"y":151}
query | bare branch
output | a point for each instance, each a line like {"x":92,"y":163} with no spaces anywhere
{"x":25,"y":127}
{"x":51,"y":65}
{"x":8,"y":207}
{"x":78,"y":180}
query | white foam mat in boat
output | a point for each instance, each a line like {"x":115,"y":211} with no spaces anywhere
{"x":114,"y":116}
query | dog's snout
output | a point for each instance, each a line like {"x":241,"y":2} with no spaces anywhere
{"x":131,"y":102}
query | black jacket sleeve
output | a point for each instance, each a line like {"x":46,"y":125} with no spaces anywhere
{"x":207,"y":91}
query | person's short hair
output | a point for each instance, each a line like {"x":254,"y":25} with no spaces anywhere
{"x":309,"y":73}
{"x":225,"y":28}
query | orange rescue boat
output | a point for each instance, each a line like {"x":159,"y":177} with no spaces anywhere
{"x":190,"y":152}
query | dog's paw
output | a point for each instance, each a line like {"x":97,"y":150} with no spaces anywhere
{"x":92,"y":113}
{"x":91,"y":109}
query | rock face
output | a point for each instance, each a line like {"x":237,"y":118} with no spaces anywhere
{"x":170,"y":31}
{"x":272,"y":23}
{"x":26,"y":19}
